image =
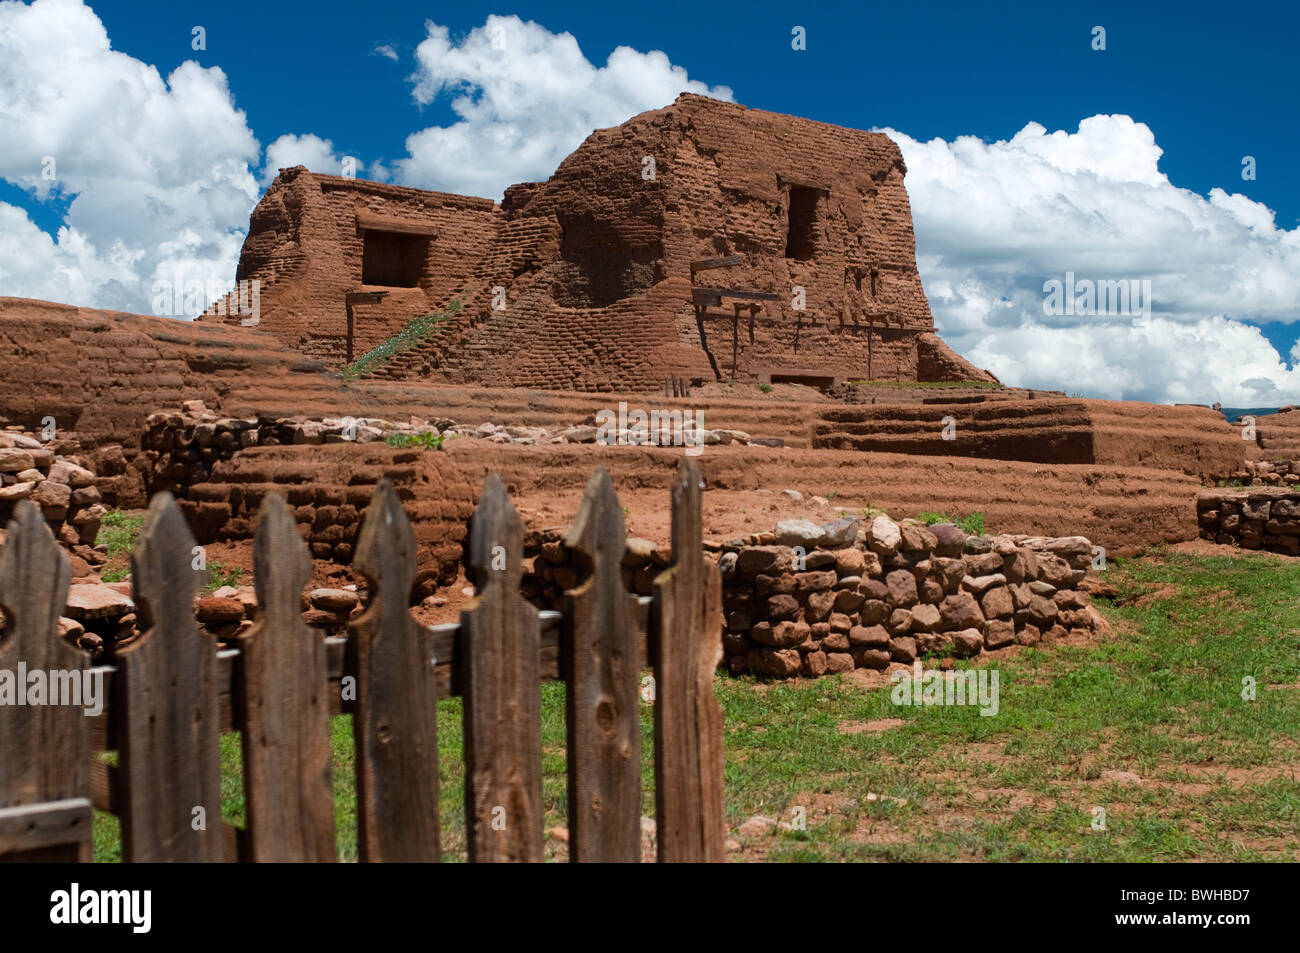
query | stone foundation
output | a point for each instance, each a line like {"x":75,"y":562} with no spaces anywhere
{"x":1251,"y":519}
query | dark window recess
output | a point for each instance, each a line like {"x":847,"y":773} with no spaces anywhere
{"x":800,"y":241}
{"x":393,"y":260}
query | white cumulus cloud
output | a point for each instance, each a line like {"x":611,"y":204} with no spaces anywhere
{"x":996,"y":221}
{"x":315,"y":153}
{"x":525,"y":98}
{"x":157,"y":170}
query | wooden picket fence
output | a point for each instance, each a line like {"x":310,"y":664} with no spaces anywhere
{"x":171,"y":693}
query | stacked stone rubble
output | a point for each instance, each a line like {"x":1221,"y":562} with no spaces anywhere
{"x":1259,"y":519}
{"x":1282,"y":473}
{"x":817,"y":600}
{"x":61,"y":486}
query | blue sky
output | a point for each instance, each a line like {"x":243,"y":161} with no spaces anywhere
{"x":1211,"y":84}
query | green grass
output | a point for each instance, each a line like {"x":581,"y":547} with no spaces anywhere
{"x":972,"y":523}
{"x":424,"y":441}
{"x":220,"y":575}
{"x":1162,"y":699}
{"x":415,"y":331}
{"x":118,"y":531}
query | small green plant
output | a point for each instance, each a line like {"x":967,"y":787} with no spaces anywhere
{"x":424,"y":441}
{"x":832,"y":494}
{"x":765,"y":388}
{"x":117,"y":534}
{"x":972,"y":524}
{"x":220,"y":575}
{"x":415,"y":331}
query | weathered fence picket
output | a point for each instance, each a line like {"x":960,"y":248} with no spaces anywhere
{"x":688,"y":718}
{"x":500,"y":635}
{"x":603,"y":704}
{"x":282,"y":681}
{"x":396,"y":719}
{"x":168,"y":739}
{"x":171,"y":692}
{"x":44,"y":798}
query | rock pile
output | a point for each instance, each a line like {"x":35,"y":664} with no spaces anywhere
{"x":1259,"y":519}
{"x":1263,"y":473}
{"x":64,"y":489}
{"x":817,"y":599}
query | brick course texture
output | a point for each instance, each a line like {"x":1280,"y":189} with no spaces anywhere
{"x":595,"y":263}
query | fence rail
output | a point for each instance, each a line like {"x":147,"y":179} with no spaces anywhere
{"x":171,"y":693}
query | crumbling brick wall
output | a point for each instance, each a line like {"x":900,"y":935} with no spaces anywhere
{"x":596,"y":263}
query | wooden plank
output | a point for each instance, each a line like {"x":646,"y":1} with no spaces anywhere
{"x":396,"y":718}
{"x":45,"y":748}
{"x":282,"y":705}
{"x":500,"y":634}
{"x":706,"y":264}
{"x":168,"y":742}
{"x":688,"y":719}
{"x":60,"y":825}
{"x":736,"y":293}
{"x":706,"y":298}
{"x":603,"y":701}
{"x":373,"y":221}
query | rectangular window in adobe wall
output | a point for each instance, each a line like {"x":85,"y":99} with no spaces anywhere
{"x":801,"y":239}
{"x":393,"y":260}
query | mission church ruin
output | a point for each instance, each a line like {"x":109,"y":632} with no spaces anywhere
{"x":704,"y":240}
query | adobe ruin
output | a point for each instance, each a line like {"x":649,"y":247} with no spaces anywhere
{"x":674,"y":244}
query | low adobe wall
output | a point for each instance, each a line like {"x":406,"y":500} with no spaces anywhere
{"x":1194,"y":440}
{"x":329,"y":488}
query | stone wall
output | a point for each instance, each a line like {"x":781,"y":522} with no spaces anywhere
{"x":830,"y":599}
{"x":812,"y":600}
{"x":1252,"y":519}
{"x":52,"y":476}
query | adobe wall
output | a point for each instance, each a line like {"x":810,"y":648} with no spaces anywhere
{"x":1195,"y":440}
{"x":329,"y":488}
{"x":306,"y":245}
{"x":596,"y":261}
{"x":99,"y":374}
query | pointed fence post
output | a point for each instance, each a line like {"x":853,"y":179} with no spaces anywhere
{"x":603,"y":703}
{"x":396,"y":719}
{"x":283,"y":707}
{"x":170,"y":759}
{"x":45,"y":811}
{"x":688,"y":718}
{"x":499,"y":645}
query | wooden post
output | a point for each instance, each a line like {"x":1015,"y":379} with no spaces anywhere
{"x":688,"y":718}
{"x":45,"y":811}
{"x":283,"y":708}
{"x":170,"y":759}
{"x":396,"y":718}
{"x":601,"y":667}
{"x":735,"y":337}
{"x":500,"y":635}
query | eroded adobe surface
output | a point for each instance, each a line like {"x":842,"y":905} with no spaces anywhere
{"x":601,"y":265}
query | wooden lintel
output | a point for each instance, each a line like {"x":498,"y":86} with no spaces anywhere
{"x":705,"y":264}
{"x":735,"y":293}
